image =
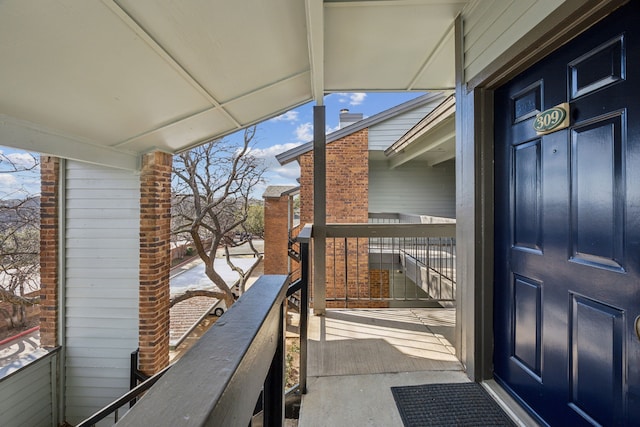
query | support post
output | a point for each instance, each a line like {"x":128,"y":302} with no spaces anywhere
{"x":319,"y":210}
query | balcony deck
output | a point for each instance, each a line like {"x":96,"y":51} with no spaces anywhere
{"x":356,"y":355}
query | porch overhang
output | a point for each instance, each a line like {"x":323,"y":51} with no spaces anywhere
{"x":432,"y":139}
{"x":125,"y":77}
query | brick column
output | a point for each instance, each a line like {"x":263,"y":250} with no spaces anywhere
{"x":276,"y":235}
{"x":155,"y":261}
{"x":49,"y":238}
{"x":347,"y":175}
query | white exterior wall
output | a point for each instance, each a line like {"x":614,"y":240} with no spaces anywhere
{"x":383,"y":134}
{"x":413,"y":188}
{"x":492,"y":26}
{"x":102,"y":280}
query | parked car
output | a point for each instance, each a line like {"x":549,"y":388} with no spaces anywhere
{"x":221,"y":305}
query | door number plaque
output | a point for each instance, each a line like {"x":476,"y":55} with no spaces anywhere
{"x":552,"y":120}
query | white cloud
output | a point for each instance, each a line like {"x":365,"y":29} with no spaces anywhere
{"x":269,"y":154}
{"x":290,"y":171}
{"x":20,"y":160}
{"x":7,"y":180}
{"x":357,"y":98}
{"x":9,"y":186}
{"x":289,"y":116}
{"x":329,"y":129}
{"x":304,"y":132}
{"x":281,"y":175}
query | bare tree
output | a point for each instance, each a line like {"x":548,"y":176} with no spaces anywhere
{"x":19,"y":239}
{"x":212,"y":185}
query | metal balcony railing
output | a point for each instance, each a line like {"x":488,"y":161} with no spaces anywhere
{"x":234,"y":371}
{"x":381,"y":264}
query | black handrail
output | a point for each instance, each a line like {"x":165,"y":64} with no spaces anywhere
{"x":130,"y":396}
{"x":219,"y":380}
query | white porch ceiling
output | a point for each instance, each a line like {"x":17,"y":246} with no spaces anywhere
{"x":105,"y":80}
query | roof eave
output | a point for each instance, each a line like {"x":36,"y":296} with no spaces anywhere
{"x":292,"y":154}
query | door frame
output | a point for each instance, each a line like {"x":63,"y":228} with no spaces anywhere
{"x":475,"y":174}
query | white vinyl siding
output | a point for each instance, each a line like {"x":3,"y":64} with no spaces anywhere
{"x":102,"y":276}
{"x":28,"y":395}
{"x":414,"y":188}
{"x":383,"y":135}
{"x":492,"y":26}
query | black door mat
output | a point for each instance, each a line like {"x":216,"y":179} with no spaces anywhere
{"x":457,"y":404}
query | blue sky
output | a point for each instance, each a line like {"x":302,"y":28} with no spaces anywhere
{"x":273,"y":136}
{"x":295,"y":127}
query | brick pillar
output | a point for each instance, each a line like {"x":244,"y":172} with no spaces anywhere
{"x":49,"y":237}
{"x":347,"y":175}
{"x":155,"y":261}
{"x":276,"y":235}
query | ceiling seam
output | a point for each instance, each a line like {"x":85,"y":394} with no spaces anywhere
{"x":206,"y":110}
{"x":164,"y":54}
{"x":429,"y":60}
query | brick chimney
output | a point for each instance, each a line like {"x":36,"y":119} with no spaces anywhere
{"x":347,"y":118}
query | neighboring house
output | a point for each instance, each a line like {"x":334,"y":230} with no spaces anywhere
{"x":400,"y":160}
{"x":547,"y":224}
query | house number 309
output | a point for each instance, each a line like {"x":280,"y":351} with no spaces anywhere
{"x":552,"y":120}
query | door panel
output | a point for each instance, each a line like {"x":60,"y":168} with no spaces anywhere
{"x":567,"y":231}
{"x":596,"y":360}
{"x":597,"y":185}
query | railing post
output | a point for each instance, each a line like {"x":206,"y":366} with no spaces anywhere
{"x":304,"y":313}
{"x":133,"y":379}
{"x":274,"y":383}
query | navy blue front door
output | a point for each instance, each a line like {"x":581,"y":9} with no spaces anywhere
{"x":567,"y":239}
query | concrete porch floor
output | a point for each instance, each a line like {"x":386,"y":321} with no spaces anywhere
{"x":357,"y":355}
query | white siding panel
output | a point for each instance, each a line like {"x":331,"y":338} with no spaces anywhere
{"x":85,"y":378}
{"x":120,"y":296}
{"x":93,"y":194}
{"x":110,"y":212}
{"x":477,"y":15}
{"x":414,"y":188}
{"x":26,"y":397}
{"x":117,"y":272}
{"x":489,"y":31}
{"x":383,"y":134}
{"x":97,"y":234}
{"x":102,"y":256}
{"x":96,"y":343}
{"x":102,"y":204}
{"x":107,"y":224}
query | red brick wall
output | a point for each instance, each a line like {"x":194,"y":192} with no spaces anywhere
{"x":276,"y":237}
{"x":347,"y":180}
{"x":347,"y":202}
{"x":155,"y":261}
{"x":49,"y":235}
